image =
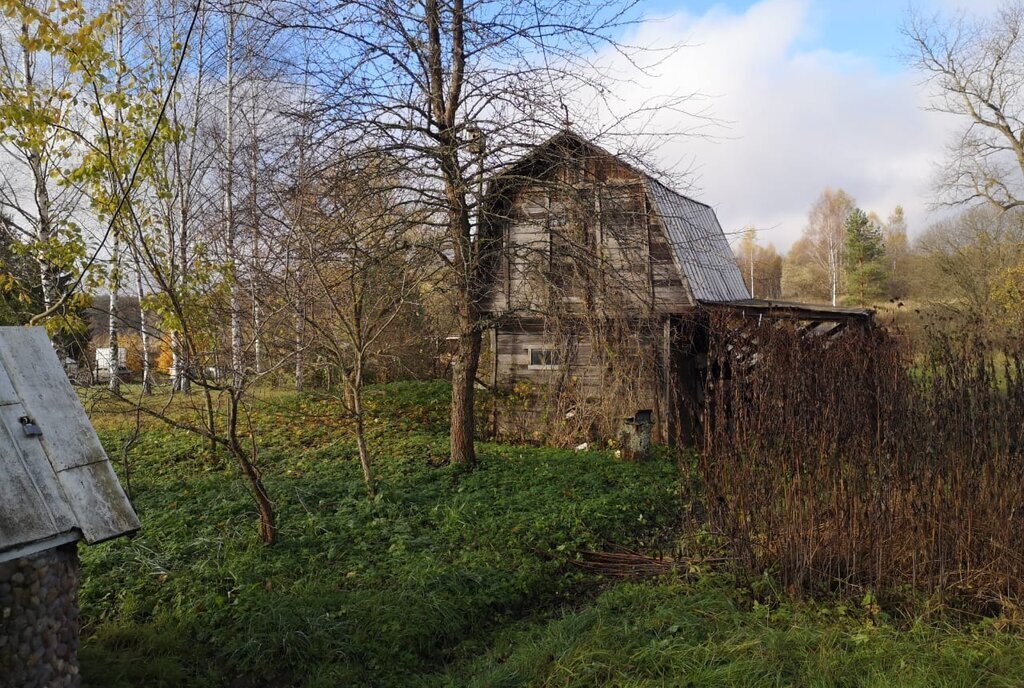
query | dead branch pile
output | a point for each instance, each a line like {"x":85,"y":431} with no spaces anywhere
{"x":622,"y":563}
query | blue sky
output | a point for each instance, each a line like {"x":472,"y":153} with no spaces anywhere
{"x":810,"y":94}
{"x":867,"y":28}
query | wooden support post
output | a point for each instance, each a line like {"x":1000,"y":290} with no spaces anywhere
{"x":668,"y":406}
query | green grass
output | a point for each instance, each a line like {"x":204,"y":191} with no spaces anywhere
{"x":450,"y":577}
{"x":709,"y":633}
{"x":355,"y":592}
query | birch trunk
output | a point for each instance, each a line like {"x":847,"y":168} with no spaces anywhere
{"x":255,"y":216}
{"x":113,"y":369}
{"x":114,"y":325}
{"x":40,"y":192}
{"x":229,"y":206}
{"x":147,"y":365}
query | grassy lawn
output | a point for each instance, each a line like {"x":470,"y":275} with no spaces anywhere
{"x":450,"y":577}
{"x":707,"y":633}
{"x":355,"y":593}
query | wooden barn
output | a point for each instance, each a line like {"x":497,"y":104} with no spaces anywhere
{"x":603,"y":270}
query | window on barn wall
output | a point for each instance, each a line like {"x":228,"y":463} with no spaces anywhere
{"x":622,"y":216}
{"x":544,"y":359}
{"x":572,"y":243}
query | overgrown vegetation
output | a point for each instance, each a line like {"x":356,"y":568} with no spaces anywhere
{"x":841,"y":465}
{"x":452,"y":577}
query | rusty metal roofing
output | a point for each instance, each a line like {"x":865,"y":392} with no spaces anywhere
{"x":699,"y":243}
{"x":58,"y":485}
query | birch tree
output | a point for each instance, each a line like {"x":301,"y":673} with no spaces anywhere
{"x":44,"y":52}
{"x":826,"y":227}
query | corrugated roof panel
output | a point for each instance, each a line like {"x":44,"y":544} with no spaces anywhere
{"x":699,"y":244}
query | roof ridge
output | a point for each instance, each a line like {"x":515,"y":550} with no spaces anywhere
{"x":668,"y":188}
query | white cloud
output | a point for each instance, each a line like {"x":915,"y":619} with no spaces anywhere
{"x":799,"y":120}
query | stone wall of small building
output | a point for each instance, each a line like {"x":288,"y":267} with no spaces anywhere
{"x":39,"y":620}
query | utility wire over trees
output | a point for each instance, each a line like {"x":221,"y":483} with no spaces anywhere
{"x":47,"y":58}
{"x":276,"y":209}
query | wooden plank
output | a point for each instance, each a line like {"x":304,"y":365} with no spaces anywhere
{"x":98,"y":501}
{"x":41,"y":383}
{"x":68,"y":452}
{"x":7,"y":393}
{"x":32,"y":505}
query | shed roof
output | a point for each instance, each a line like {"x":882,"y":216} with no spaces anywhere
{"x":699,"y":244}
{"x":794,"y":310}
{"x":58,"y":486}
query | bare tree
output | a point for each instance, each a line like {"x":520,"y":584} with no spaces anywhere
{"x":363,"y":265}
{"x":454,"y":89}
{"x":963,"y":260}
{"x":976,"y":68}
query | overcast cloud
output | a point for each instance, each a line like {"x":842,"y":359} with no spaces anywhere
{"x":797,"y":119}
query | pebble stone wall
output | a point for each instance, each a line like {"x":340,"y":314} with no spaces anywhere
{"x":39,"y":620}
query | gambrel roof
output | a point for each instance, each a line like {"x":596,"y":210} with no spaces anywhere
{"x":701,"y":250}
{"x":699,"y":244}
{"x":56,"y":482}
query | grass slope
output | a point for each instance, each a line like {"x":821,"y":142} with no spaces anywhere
{"x":708,"y":633}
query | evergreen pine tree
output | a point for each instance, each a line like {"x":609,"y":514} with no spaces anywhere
{"x":866,"y":272}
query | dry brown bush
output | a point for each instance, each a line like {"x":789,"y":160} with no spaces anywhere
{"x":842,"y":464}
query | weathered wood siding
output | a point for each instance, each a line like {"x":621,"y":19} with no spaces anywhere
{"x":586,"y":240}
{"x":60,"y":480}
{"x":581,"y":366}
{"x":513,"y":350}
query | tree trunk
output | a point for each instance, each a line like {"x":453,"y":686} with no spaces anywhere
{"x":464,"y":367}
{"x":357,"y":411}
{"x":229,"y":206}
{"x":113,"y":363}
{"x":40,"y":192}
{"x":255,"y":222}
{"x":300,"y":326}
{"x":147,"y":365}
{"x":268,"y":526}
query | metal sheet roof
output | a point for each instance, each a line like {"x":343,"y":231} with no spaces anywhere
{"x":699,"y":244}
{"x":57,"y":486}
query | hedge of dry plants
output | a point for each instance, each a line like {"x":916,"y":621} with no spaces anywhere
{"x":843,"y":463}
